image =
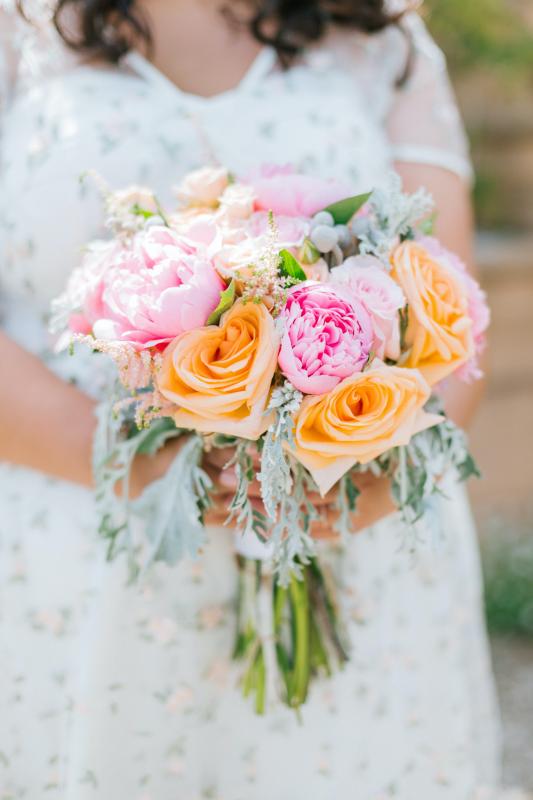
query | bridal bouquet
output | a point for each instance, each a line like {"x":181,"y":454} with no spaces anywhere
{"x":301,"y":327}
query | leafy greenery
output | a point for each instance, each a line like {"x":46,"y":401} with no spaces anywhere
{"x":227,"y":298}
{"x":343,"y":210}
{"x":508,"y":571}
{"x":483,"y":33}
{"x":290,"y":267}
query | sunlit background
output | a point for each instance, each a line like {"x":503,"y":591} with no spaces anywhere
{"x":489,"y":44}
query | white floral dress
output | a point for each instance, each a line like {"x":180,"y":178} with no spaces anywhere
{"x":128,"y":693}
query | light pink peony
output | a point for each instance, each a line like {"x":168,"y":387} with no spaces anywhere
{"x":282,"y":191}
{"x":327,"y":337}
{"x":478,"y":308}
{"x":381,"y":297}
{"x":150,"y":291}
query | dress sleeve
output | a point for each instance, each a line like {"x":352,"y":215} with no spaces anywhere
{"x":423,"y":123}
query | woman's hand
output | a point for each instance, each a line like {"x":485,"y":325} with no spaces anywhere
{"x":373,"y":503}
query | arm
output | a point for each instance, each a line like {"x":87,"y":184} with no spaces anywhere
{"x":430,"y":149}
{"x":49,"y":425}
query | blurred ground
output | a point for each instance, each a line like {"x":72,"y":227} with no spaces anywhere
{"x":502,"y":435}
{"x":502,"y":442}
{"x":489,"y":45}
{"x":513,"y":660}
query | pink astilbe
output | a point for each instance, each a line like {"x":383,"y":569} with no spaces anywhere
{"x":135,"y":367}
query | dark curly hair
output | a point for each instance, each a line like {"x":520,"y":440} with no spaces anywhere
{"x":109,"y":28}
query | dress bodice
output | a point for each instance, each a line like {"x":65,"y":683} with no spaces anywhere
{"x":336,"y":112}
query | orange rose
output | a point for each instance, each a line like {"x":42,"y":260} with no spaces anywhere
{"x":439,"y":331}
{"x":220,"y":376}
{"x":359,"y":420}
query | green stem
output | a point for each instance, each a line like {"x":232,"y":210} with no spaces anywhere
{"x":319,"y":657}
{"x":300,"y":607}
{"x":260,"y":682}
{"x":324,"y":599}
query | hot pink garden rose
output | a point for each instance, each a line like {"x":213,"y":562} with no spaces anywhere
{"x":150,"y":291}
{"x":280,"y":190}
{"x":478,"y":308}
{"x":327,"y":337}
{"x":380,"y":295}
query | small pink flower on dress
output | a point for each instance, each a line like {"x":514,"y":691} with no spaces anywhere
{"x":380,"y":295}
{"x":163,"y":629}
{"x":327,"y":337}
{"x":282,"y":191}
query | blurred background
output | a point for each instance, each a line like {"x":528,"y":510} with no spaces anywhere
{"x":489,"y":45}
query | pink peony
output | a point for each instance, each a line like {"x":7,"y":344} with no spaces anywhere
{"x":327,"y":337}
{"x":478,"y":308}
{"x":150,"y":291}
{"x":381,"y":297}
{"x":283,"y":191}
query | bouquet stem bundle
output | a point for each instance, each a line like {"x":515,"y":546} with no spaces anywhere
{"x":286,"y":635}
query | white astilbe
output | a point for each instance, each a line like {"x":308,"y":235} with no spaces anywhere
{"x":126,"y":210}
{"x":393,"y":214}
{"x":262,"y":282}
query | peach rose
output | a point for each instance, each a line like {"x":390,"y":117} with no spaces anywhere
{"x":439,"y":332}
{"x":219,"y":376}
{"x":359,"y":420}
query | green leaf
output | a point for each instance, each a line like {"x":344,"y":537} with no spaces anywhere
{"x":352,"y":492}
{"x":308,"y":252}
{"x":343,"y":210}
{"x":290,"y":267}
{"x":226,"y":301}
{"x":141,"y":212}
{"x":468,"y":469}
{"x":160,"y":430}
{"x":427,"y":226}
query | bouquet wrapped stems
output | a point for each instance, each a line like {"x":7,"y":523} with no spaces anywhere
{"x":286,"y":635}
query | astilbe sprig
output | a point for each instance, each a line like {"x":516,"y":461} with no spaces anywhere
{"x":263,"y":281}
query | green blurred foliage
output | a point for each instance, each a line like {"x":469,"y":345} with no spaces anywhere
{"x":489,"y":47}
{"x":489,"y":34}
{"x":508,"y":572}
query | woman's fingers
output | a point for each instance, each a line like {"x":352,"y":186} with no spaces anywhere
{"x":218,"y":457}
{"x":228,"y":480}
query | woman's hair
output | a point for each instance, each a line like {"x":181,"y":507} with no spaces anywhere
{"x":109,"y":28}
